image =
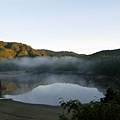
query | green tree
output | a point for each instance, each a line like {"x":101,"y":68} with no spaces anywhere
{"x":107,"y":108}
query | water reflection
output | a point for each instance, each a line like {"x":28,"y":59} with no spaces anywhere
{"x":50,"y":94}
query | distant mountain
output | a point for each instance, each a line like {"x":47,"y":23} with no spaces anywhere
{"x":14,"y":49}
{"x":107,"y":54}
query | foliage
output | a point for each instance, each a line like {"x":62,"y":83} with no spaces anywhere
{"x":107,"y":108}
{"x":107,"y":54}
{"x":20,"y":50}
{"x":109,"y":69}
{"x":6,"y":53}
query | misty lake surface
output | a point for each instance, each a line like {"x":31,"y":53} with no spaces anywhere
{"x":50,"y":94}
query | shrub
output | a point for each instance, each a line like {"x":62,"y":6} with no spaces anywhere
{"x":107,"y":108}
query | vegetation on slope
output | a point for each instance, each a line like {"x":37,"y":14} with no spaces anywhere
{"x":107,"y":54}
{"x":14,"y":49}
{"x":107,"y":71}
{"x":107,"y":109}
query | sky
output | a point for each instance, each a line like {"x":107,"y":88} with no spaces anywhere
{"x":81,"y":26}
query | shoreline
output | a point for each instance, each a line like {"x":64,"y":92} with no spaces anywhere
{"x":14,"y":110}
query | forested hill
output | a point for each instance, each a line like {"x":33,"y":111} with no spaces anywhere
{"x":107,"y":54}
{"x":14,"y":49}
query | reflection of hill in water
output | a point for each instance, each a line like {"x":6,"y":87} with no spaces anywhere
{"x":21,"y":82}
{"x":50,"y":94}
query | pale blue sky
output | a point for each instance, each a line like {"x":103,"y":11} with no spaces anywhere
{"x":82,"y":26}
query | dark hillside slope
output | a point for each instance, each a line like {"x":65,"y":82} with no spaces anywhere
{"x":59,"y":54}
{"x":107,"y":54}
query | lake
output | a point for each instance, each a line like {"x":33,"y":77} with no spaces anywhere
{"x":50,"y":94}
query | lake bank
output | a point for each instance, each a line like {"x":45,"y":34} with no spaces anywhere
{"x":12,"y":110}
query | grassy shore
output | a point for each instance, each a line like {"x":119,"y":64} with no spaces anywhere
{"x":12,"y":110}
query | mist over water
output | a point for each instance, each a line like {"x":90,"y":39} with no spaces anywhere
{"x":49,"y":75}
{"x":43,"y":68}
{"x":46,"y":64}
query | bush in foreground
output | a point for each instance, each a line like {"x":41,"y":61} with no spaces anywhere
{"x":108,"y":108}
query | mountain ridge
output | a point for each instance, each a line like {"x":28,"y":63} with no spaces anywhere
{"x":107,"y":54}
{"x":15,"y":49}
